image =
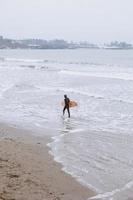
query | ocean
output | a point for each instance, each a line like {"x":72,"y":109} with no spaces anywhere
{"x":96,"y":144}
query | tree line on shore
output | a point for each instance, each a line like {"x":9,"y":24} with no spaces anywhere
{"x":6,"y":43}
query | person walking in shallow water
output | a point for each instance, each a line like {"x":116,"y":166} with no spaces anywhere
{"x":66,"y":106}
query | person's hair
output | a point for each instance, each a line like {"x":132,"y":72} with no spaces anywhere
{"x":65,"y":95}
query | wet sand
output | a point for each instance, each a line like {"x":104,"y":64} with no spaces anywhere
{"x":28,"y":171}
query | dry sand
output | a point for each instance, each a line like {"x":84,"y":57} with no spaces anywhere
{"x":28,"y":172}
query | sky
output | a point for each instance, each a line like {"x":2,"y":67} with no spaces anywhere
{"x":96,"y":21}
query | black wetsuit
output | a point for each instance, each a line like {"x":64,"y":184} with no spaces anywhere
{"x":67,"y":101}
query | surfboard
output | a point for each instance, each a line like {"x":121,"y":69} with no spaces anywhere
{"x":71,"y":104}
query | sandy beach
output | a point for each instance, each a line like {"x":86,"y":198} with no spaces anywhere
{"x":28,"y":172}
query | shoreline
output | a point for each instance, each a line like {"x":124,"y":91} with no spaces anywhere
{"x":29,"y":172}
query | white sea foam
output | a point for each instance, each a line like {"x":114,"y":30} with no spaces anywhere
{"x":121,"y":76}
{"x":111,"y":195}
{"x":24,"y":60}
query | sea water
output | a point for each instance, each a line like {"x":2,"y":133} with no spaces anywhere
{"x":96,"y":144}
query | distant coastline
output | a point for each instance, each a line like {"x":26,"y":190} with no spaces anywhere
{"x":6,"y":43}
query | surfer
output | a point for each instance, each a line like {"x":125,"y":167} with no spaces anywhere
{"x":66,"y":106}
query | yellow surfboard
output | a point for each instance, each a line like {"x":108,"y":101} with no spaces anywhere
{"x":71,"y":104}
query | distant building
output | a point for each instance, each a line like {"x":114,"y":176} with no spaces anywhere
{"x":118,"y":45}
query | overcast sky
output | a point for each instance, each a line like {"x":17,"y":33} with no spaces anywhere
{"x":92,"y":20}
